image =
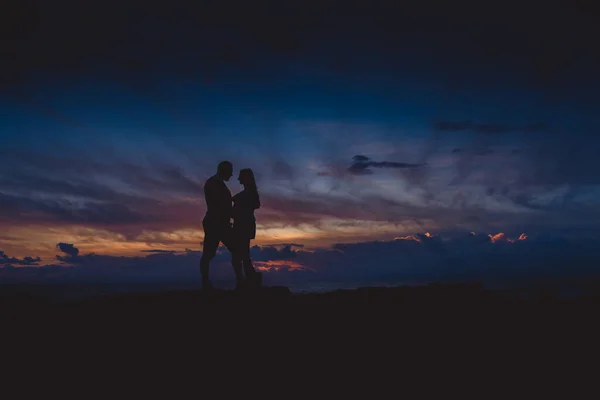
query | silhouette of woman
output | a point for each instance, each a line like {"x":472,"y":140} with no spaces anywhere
{"x":244,"y":230}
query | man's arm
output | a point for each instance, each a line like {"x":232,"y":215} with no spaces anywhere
{"x":227,"y":203}
{"x":209,"y":195}
{"x":218,"y":199}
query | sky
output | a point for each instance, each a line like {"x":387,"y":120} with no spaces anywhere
{"x":365,"y":126}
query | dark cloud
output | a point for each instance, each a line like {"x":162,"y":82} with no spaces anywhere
{"x":283,"y":170}
{"x":311,"y":209}
{"x":359,"y":169}
{"x":5,"y":259}
{"x":133,"y":214}
{"x":63,"y":189}
{"x":561,"y":156}
{"x":115,"y":213}
{"x":299,"y":245}
{"x":80,"y":173}
{"x":61,"y":210}
{"x":159,"y":251}
{"x":433,"y":39}
{"x":453,"y":126}
{"x":68,"y":248}
{"x":156,"y":267}
{"x":564,"y":159}
{"x":73,"y":181}
{"x":44,"y":189}
{"x":30,"y":182}
{"x":540,"y":164}
{"x":475,"y":152}
{"x":176,"y":180}
{"x":266,"y":253}
{"x":458,"y":126}
{"x":52,"y":113}
{"x":360,"y":165}
{"x":491,"y":258}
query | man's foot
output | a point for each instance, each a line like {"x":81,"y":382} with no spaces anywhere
{"x":207,"y":286}
{"x":255,"y":280}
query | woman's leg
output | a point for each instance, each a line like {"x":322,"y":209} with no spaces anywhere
{"x":237,"y":263}
{"x":246,"y":259}
{"x":253,"y":277}
{"x":236,"y":256}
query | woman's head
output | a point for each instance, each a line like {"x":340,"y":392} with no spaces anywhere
{"x":246,"y":178}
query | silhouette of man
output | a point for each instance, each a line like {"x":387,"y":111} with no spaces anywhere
{"x":217,"y":221}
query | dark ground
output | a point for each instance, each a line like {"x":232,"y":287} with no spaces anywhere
{"x":386,"y":335}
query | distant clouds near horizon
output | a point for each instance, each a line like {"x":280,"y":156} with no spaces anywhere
{"x":421,"y":258}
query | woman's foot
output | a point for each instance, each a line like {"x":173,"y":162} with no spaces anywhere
{"x":207,"y":286}
{"x":240,"y":284}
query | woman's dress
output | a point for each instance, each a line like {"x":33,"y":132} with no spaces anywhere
{"x":244,"y":221}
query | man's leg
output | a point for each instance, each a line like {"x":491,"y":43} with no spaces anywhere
{"x":229,"y":240}
{"x":209,"y":250}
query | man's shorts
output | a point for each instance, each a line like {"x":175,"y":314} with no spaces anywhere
{"x":215,"y":234}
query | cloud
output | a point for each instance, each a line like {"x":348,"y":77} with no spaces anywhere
{"x":5,"y":259}
{"x":145,"y":193}
{"x":42,"y":209}
{"x":467,"y":125}
{"x":494,"y":258}
{"x":360,"y":165}
{"x":475,"y":152}
{"x":527,"y":166}
{"x":299,"y":245}
{"x":502,"y":40}
{"x":85,"y":176}
{"x":267,"y":253}
{"x":120,"y":192}
{"x":146,"y":219}
{"x":283,"y":170}
{"x":68,"y":249}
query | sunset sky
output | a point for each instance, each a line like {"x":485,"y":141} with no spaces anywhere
{"x":361,"y":124}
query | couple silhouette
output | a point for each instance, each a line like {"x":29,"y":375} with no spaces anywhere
{"x":221,"y":208}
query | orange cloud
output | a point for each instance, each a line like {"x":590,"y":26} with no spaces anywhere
{"x":522,"y":237}
{"x":277,"y":265}
{"x":501,"y":237}
{"x":415,"y":238}
{"x":410,"y":237}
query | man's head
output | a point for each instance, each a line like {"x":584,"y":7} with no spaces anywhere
{"x":225,"y":170}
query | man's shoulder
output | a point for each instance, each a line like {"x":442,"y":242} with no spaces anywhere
{"x":212,"y":181}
